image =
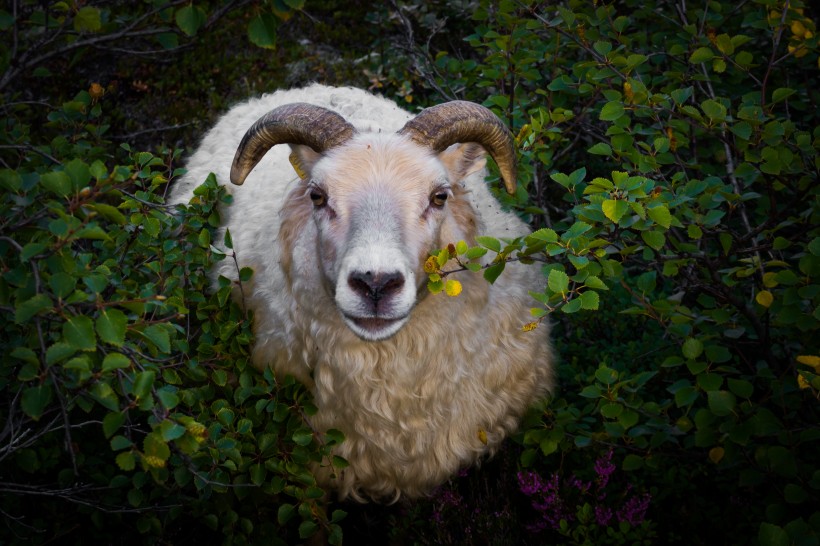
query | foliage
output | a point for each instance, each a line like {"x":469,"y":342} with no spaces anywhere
{"x":127,"y":389}
{"x":668,"y":159}
{"x":698,"y":196}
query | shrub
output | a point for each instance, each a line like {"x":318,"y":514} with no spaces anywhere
{"x":695,"y":129}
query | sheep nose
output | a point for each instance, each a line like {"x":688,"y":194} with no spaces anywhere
{"x":375,"y":285}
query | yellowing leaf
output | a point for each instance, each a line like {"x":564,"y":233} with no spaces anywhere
{"x":614,"y":209}
{"x":810,"y":360}
{"x":764,"y":298}
{"x":482,"y":436}
{"x":452,"y":287}
{"x":716,"y":454}
{"x":802,"y":382}
{"x":770,"y":279}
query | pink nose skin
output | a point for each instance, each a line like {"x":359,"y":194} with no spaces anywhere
{"x":375,"y":286}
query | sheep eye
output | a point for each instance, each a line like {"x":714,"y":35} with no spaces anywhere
{"x":438,"y":199}
{"x":318,"y":198}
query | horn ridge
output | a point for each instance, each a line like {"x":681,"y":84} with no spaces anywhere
{"x":445,"y":124}
{"x":295,"y":123}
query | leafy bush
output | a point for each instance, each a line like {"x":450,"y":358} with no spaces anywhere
{"x":127,"y":389}
{"x":697,"y":198}
{"x":669,"y":166}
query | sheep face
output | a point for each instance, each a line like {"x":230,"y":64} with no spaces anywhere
{"x":380,"y":203}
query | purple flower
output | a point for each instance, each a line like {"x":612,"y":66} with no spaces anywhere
{"x":634,"y":509}
{"x":530,"y":483}
{"x":604,"y":468}
{"x":603,"y":515}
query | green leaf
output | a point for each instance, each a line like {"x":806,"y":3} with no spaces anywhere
{"x":126,"y":461}
{"x":111,"y":326}
{"x":159,"y":336}
{"x":285,"y":513}
{"x":692,"y":348}
{"x":112,"y":422}
{"x":558,"y":281}
{"x":189,"y":19}
{"x":57,"y":182}
{"x":494,"y":271}
{"x":612,"y":111}
{"x":308,"y":529}
{"x":701,"y":55}
{"x":614,"y":209}
{"x":654,"y":239}
{"x":601,"y":148}
{"x":781,"y":94}
{"x":153,"y":445}
{"x":143,"y":382}
{"x":34,"y":400}
{"x":30,"y":307}
{"x":713,"y":110}
{"x":772,"y":535}
{"x":721,"y":403}
{"x":87,"y":19}
{"x":115,"y":361}
{"x":589,"y":300}
{"x":302,"y":436}
{"x":660,"y":214}
{"x":489,"y":242}
{"x":79,"y":333}
{"x":262,"y":30}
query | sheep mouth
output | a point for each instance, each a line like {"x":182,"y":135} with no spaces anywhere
{"x":375,"y":328}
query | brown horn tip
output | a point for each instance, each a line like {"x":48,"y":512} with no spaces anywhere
{"x":296,"y":123}
{"x":440,"y":126}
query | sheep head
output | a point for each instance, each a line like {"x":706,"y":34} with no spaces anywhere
{"x":381,"y":201}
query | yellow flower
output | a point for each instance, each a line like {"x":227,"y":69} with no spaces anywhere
{"x":96,"y":91}
{"x":452,"y":287}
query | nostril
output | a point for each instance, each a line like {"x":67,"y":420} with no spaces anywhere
{"x":375,"y":286}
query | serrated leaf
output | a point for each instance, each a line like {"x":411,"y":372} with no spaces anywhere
{"x":661,"y":215}
{"x":159,"y":337}
{"x":654,"y":239}
{"x":558,"y":281}
{"x":701,"y":55}
{"x":111,"y":326}
{"x":489,"y":242}
{"x":115,"y":361}
{"x":692,"y":348}
{"x":589,"y":300}
{"x":79,"y":333}
{"x":31,"y":307}
{"x":614,"y":209}
{"x":126,"y":461}
{"x":601,"y":148}
{"x":612,"y":111}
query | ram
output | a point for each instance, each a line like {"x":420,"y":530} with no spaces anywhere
{"x":336,"y":227}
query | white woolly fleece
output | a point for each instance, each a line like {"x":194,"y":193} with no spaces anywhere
{"x":454,"y":380}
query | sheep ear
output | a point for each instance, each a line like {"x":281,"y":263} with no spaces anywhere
{"x":463,"y":159}
{"x":303,"y":158}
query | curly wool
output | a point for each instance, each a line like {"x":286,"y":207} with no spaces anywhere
{"x":418,"y":406}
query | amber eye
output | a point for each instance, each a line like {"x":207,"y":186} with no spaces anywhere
{"x":318,"y":197}
{"x":438,"y":199}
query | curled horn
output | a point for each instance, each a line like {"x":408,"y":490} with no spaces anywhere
{"x":297,"y":123}
{"x":460,"y":121}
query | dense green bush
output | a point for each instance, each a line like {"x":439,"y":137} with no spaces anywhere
{"x":669,"y":168}
{"x":671,"y":155}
